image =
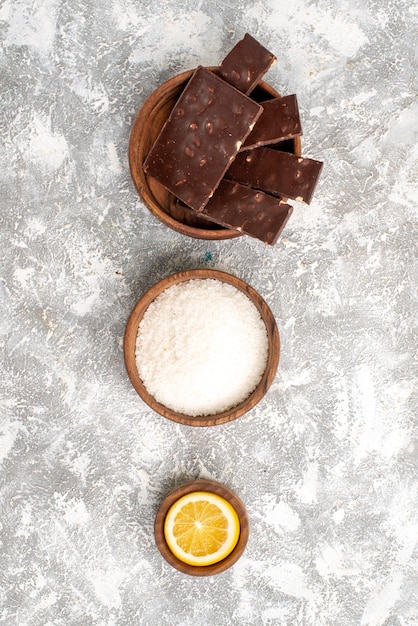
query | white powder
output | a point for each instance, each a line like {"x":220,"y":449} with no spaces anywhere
{"x":202,"y":347}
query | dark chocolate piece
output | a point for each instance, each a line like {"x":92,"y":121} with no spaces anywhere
{"x":251,"y":212}
{"x":275,"y":172}
{"x":247,"y":62}
{"x":201,"y":138}
{"x":279,"y":121}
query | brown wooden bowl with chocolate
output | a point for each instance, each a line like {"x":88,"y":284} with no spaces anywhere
{"x":146,"y":128}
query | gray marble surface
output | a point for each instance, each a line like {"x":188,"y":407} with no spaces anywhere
{"x":327,"y":463}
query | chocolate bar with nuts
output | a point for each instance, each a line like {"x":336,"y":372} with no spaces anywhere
{"x":250,"y":211}
{"x":201,"y":138}
{"x":278,"y":173}
{"x":279,"y":121}
{"x":245,"y":64}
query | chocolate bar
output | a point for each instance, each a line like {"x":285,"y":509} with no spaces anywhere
{"x":277,"y":173}
{"x":279,"y":121}
{"x":249,"y":211}
{"x":201,"y":137}
{"x":247,"y":62}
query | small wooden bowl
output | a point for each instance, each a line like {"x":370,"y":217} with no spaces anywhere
{"x":146,"y":127}
{"x":131,"y":333}
{"x":212,"y":487}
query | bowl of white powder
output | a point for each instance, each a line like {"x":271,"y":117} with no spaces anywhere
{"x":201,"y":347}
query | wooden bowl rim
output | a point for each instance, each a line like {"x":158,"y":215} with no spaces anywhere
{"x":210,"y":486}
{"x":140,"y":178}
{"x":131,"y":332}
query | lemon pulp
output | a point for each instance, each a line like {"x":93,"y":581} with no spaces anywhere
{"x":201,"y":528}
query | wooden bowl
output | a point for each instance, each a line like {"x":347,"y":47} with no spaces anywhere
{"x":212,"y":487}
{"x":145,"y":129}
{"x":131,"y":333}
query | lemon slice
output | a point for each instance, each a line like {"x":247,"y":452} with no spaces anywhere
{"x":201,"y":528}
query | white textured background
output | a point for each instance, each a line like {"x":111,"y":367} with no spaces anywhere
{"x":327,"y":462}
